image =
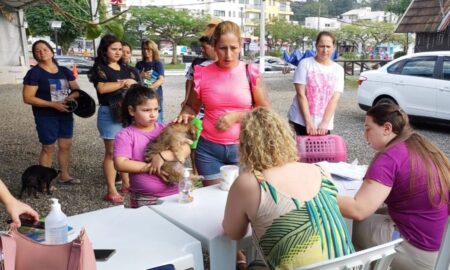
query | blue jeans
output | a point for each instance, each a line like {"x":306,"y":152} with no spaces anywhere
{"x":160,"y":94}
{"x":210,"y":156}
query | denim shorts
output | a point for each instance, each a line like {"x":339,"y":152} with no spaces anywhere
{"x":51,"y":128}
{"x":106,"y":125}
{"x":209,"y":157}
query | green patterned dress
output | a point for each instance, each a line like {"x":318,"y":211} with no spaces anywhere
{"x":292,"y":234}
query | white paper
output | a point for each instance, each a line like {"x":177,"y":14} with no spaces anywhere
{"x":345,"y":170}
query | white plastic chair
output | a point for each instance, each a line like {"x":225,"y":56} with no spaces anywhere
{"x":382,"y":255}
{"x":443,"y":259}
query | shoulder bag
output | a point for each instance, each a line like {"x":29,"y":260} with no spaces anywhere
{"x":21,"y":253}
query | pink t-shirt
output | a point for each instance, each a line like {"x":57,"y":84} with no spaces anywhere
{"x":221,"y":91}
{"x":131,"y":143}
{"x":417,"y":220}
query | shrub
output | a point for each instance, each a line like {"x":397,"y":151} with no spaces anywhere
{"x":399,"y":54}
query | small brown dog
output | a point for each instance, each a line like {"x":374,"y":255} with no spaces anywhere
{"x":172,"y":138}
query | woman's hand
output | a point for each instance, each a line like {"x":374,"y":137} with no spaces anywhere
{"x":311,"y":129}
{"x":227,"y":120}
{"x":183,"y":118}
{"x":60,"y":106}
{"x":127,"y":83}
{"x":145,"y":74}
{"x":16,"y":208}
{"x":322,"y":129}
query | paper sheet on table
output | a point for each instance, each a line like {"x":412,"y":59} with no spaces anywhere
{"x":344,"y":171}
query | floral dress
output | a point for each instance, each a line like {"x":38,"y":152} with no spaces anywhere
{"x":292,"y":234}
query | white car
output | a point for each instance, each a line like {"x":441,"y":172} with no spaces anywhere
{"x":419,"y":83}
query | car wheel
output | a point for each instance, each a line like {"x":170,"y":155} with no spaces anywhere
{"x":387,"y":100}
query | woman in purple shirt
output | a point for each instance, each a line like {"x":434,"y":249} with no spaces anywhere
{"x":412,"y":177}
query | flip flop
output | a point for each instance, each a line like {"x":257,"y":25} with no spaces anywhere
{"x":70,"y":182}
{"x":113,"y":198}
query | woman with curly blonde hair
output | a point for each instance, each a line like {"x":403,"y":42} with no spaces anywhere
{"x":291,"y":206}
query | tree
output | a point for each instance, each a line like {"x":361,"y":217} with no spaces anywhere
{"x":168,"y":23}
{"x":398,"y":7}
{"x":38,"y":17}
{"x":310,"y":8}
{"x":75,"y":16}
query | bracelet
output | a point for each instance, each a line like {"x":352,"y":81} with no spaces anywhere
{"x":162,"y":156}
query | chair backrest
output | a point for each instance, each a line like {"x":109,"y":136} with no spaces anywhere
{"x":381,"y":255}
{"x":443,"y":259}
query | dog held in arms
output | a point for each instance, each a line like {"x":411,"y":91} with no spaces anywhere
{"x":172,"y":138}
{"x":35,"y":177}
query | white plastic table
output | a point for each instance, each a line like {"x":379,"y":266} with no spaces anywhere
{"x":142,"y":239}
{"x":202,"y":219}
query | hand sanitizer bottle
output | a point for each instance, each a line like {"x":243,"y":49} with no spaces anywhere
{"x":56,"y":225}
{"x":185,"y":188}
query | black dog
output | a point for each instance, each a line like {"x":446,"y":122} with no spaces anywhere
{"x":34,"y":177}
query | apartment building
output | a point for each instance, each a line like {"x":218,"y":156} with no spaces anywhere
{"x":367,"y":14}
{"x":246,"y":13}
{"x":322,"y":23}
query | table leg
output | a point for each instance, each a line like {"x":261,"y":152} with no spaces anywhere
{"x":222,"y":253}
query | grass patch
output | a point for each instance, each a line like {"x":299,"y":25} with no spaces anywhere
{"x":173,"y":66}
{"x":351,"y":84}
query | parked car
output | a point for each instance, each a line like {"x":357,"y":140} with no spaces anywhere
{"x":419,"y":83}
{"x":83,"y":65}
{"x":275,"y":64}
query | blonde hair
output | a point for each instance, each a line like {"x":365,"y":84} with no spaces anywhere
{"x":152,"y":46}
{"x":266,"y":140}
{"x":223,"y":28}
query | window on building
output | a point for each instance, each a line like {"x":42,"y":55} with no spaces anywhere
{"x":219,"y":13}
{"x":327,"y":25}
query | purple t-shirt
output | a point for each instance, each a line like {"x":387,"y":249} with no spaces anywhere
{"x":131,"y":143}
{"x":417,"y":220}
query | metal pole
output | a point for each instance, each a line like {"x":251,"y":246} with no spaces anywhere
{"x":262,"y":30}
{"x":56,"y":40}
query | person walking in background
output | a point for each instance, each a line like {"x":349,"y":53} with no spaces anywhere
{"x":140,"y":114}
{"x":291,"y":206}
{"x":47,"y":88}
{"x":111,"y":79}
{"x":208,"y":57}
{"x":319,"y":83}
{"x":228,"y":88}
{"x":411,"y":176}
{"x":152,"y":71}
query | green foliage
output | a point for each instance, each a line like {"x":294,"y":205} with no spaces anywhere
{"x":168,"y":23}
{"x":38,"y":17}
{"x":115,"y":28}
{"x":349,"y":56}
{"x":399,"y":54}
{"x":398,"y":7}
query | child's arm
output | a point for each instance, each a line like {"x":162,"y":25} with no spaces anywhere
{"x":157,"y":160}
{"x":124,"y":164}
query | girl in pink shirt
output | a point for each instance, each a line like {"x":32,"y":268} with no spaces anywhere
{"x":227,"y":88}
{"x":140,"y":114}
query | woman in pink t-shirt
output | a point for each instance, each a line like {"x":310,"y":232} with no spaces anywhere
{"x":412,"y":177}
{"x":227,"y":88}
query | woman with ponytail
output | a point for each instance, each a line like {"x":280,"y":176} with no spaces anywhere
{"x":411,"y":176}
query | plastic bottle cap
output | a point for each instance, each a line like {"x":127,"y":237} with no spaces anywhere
{"x":55,"y":201}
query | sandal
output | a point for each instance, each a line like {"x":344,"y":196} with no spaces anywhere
{"x":113,"y":198}
{"x":241,"y":265}
{"x":125,"y":190}
{"x":70,"y":182}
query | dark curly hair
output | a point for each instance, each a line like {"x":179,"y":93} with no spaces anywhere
{"x":135,"y":96}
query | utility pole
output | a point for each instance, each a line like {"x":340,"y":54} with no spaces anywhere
{"x":262,"y":30}
{"x":318,"y":18}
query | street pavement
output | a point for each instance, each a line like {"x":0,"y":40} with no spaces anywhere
{"x":19,"y":146}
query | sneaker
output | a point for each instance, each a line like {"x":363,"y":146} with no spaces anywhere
{"x":113,"y":198}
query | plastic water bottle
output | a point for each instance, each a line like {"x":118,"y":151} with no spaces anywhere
{"x":56,"y":225}
{"x":185,"y":188}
